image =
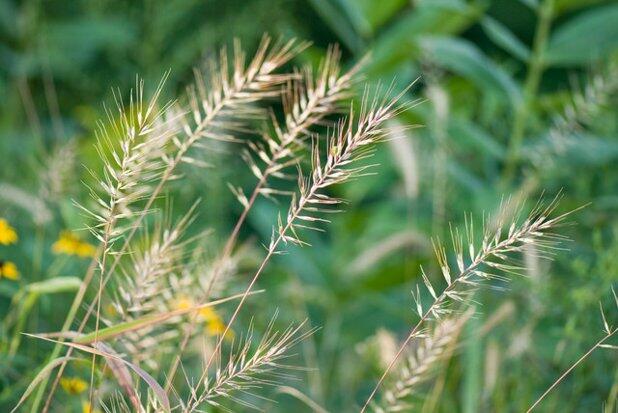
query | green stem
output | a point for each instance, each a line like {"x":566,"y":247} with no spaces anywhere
{"x":65,"y":327}
{"x":30,"y":300}
{"x":536,"y":66}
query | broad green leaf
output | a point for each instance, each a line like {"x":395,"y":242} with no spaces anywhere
{"x":367,"y":16}
{"x":338,"y":23}
{"x":465,"y":59}
{"x":563,"y":6}
{"x":399,"y":43}
{"x":464,"y":177}
{"x":503,"y":37}
{"x":472,"y":135}
{"x":533,"y":4}
{"x":74,"y":43}
{"x":588,"y":37}
{"x":582,"y":149}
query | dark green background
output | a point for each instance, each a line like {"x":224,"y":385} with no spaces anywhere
{"x":59,"y":60}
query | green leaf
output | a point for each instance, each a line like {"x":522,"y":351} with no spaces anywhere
{"x":473,"y":136}
{"x":399,"y":43}
{"x":44,"y":373}
{"x":101,"y":351}
{"x":585,"y":38}
{"x":583,"y":149}
{"x":503,"y":37}
{"x":367,"y":17}
{"x":563,"y":6}
{"x":533,"y":4}
{"x":54,"y":285}
{"x":148,"y":320}
{"x":465,"y":59}
{"x":338,"y":23}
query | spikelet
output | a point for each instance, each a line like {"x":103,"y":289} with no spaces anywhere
{"x":421,"y":363}
{"x":133,"y":145}
{"x":495,"y":259}
{"x":307,"y":99}
{"x":350,"y":142}
{"x":144,"y":288}
{"x":220,"y":102}
{"x":250,"y":367}
{"x":56,"y":172}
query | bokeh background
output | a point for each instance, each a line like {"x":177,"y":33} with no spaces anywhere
{"x":520,"y":100}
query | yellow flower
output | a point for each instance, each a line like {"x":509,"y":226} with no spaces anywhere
{"x":86,"y":250}
{"x":73,"y":385}
{"x":87,"y":408}
{"x":8,"y":270}
{"x":7,"y":233}
{"x":215,"y":327}
{"x":111,"y":310}
{"x":214,"y":323}
{"x":208,"y":313}
{"x":70,"y":244}
{"x":183,"y":303}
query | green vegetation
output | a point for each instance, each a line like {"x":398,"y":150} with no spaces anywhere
{"x":152,"y":252}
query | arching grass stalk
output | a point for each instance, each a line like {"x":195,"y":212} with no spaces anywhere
{"x":249,"y":85}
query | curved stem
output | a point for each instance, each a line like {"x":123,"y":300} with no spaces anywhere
{"x":531,"y":85}
{"x":295,"y":129}
{"x":195,"y":135}
{"x":567,"y":371}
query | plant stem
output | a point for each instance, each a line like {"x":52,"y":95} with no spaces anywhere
{"x":582,"y":358}
{"x":29,"y":301}
{"x":89,"y":275}
{"x":295,"y":129}
{"x":531,"y":86}
{"x":65,"y":327}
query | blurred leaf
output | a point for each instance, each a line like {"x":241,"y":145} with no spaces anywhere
{"x":42,"y":374}
{"x":367,"y":17}
{"x":533,"y":4}
{"x":587,"y":150}
{"x":338,"y":23}
{"x":563,"y":6}
{"x":112,"y":331}
{"x":589,"y":36}
{"x":54,"y":285}
{"x":503,"y":37}
{"x":8,"y":16}
{"x":73,"y":43}
{"x":460,"y":174}
{"x":471,"y":135}
{"x":102,"y":351}
{"x":400,"y":42}
{"x":357,"y":17}
{"x":465,"y":59}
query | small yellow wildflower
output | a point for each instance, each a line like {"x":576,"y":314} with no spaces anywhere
{"x":70,"y":244}
{"x":183,"y":303}
{"x":110,"y":310}
{"x":7,"y":233}
{"x":8,"y":270}
{"x":73,"y":385}
{"x":87,"y":408}
{"x":214,"y":323}
{"x":215,"y":327}
{"x":207,"y":313}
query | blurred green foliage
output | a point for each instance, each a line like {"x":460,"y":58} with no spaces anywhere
{"x":521,"y":100}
